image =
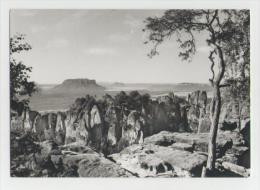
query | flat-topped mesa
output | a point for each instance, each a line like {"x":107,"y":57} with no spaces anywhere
{"x":78,"y":85}
{"x":81,"y":82}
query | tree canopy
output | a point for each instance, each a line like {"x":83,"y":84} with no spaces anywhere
{"x":229,"y":46}
{"x":228,"y":35}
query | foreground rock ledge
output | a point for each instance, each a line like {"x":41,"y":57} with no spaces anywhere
{"x":225,"y":140}
{"x":153,"y":160}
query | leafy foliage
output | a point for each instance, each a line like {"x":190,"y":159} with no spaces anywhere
{"x":19,"y":73}
{"x":228,"y":36}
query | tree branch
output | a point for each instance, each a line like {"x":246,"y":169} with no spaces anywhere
{"x":211,"y":58}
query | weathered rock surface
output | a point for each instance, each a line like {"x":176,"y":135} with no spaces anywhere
{"x":60,"y":128}
{"x":204,"y":125}
{"x":198,"y":98}
{"x":132,"y":131}
{"x":143,"y":137}
{"x":198,"y":141}
{"x":150,"y":160}
{"x":114,"y":129}
{"x":46,"y":159}
{"x":96,"y":166}
{"x":182,"y":146}
{"x":198,"y":118}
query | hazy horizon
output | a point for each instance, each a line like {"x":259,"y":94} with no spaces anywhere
{"x":113,"y":82}
{"x":104,"y":45}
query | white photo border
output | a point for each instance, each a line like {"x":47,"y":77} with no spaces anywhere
{"x":7,"y":182}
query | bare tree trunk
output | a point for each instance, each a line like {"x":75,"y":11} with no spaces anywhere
{"x":214,"y":114}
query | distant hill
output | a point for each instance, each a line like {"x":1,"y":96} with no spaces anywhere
{"x":77,"y":86}
{"x":118,"y":84}
{"x":181,"y":87}
{"x":56,"y":97}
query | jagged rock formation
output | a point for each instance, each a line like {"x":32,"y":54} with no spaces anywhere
{"x":132,"y":131}
{"x":198,"y":114}
{"x":147,"y":138}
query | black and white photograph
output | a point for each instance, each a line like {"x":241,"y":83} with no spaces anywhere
{"x":147,"y":93}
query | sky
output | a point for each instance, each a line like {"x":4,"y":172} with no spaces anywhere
{"x":105,"y":45}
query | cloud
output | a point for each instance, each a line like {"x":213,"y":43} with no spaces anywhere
{"x":58,"y":43}
{"x":101,"y":51}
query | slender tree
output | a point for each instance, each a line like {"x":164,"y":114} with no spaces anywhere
{"x":224,"y":28}
{"x":20,"y":86}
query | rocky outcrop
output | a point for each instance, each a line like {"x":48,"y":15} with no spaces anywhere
{"x":152,"y":160}
{"x":96,"y":129}
{"x":199,"y":142}
{"x":167,"y":115}
{"x":114,"y":129}
{"x":43,"y":127}
{"x":60,"y":128}
{"x":72,"y":160}
{"x":96,"y":166}
{"x":198,"y":98}
{"x":204,"y":124}
{"x":234,"y":114}
{"x":198,"y":114}
{"x":132,"y":132}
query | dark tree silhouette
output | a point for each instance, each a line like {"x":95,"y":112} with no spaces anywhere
{"x":19,"y":74}
{"x":225,"y":28}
